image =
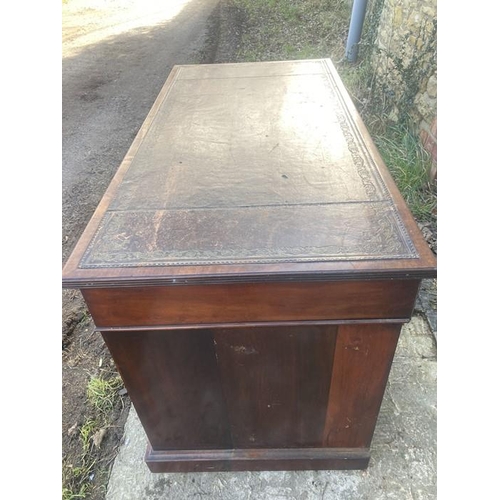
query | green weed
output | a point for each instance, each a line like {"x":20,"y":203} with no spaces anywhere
{"x":409,"y":164}
{"x":292,"y":29}
{"x":76,"y":478}
{"x":69,"y":494}
{"x":86,"y":432}
{"x":103,"y":393}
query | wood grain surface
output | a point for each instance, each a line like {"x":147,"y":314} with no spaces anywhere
{"x":264,"y":302}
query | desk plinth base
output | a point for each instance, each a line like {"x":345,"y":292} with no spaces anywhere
{"x":257,"y":459}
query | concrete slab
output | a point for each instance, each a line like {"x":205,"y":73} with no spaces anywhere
{"x":402,"y":467}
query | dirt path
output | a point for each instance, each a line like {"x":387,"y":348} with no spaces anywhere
{"x":116,"y":56}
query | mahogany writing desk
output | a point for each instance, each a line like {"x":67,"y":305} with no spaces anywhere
{"x":249,"y":268}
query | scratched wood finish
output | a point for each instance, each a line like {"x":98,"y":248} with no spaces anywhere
{"x":283,"y":402}
{"x":256,"y":302}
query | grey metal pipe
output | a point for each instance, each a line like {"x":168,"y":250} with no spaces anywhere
{"x":355,"y":28}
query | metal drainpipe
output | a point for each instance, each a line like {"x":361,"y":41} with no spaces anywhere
{"x":355,"y":28}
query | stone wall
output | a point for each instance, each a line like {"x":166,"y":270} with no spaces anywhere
{"x":404,"y":62}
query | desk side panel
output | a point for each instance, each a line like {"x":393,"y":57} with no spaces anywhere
{"x":276,"y":382}
{"x":173,"y":381}
{"x":361,"y":366}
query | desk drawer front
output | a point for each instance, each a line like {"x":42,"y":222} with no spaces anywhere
{"x":251,"y":303}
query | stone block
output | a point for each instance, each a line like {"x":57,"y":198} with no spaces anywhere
{"x":432,"y":86}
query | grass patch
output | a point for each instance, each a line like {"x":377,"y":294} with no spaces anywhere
{"x":292,"y":29}
{"x":103,"y":393}
{"x":409,"y":164}
{"x":69,"y":494}
{"x":79,"y":472}
{"x":77,"y":477}
{"x":86,"y":432}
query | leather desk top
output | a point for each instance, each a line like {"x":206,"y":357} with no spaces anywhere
{"x":248,"y":172}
